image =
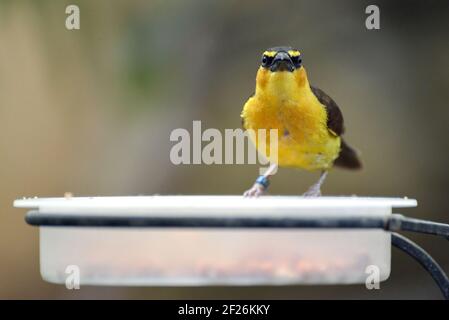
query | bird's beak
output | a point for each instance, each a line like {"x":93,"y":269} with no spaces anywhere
{"x":282,"y":62}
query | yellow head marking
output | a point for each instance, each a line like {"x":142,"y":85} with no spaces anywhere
{"x":294,"y":53}
{"x":270,"y":53}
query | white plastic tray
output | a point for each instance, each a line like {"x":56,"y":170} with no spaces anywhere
{"x":213,"y":256}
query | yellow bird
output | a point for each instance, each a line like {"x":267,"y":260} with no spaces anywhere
{"x":308,"y":121}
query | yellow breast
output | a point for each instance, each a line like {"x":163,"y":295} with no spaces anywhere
{"x":284,"y":101}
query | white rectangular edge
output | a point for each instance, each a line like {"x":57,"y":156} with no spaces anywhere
{"x":176,"y":257}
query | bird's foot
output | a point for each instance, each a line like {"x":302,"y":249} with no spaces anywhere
{"x":256,"y":190}
{"x":314,"y":191}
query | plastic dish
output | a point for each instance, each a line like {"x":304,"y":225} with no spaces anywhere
{"x":212,"y":256}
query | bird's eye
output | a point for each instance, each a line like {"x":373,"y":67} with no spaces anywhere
{"x":266,"y":61}
{"x":296,"y":61}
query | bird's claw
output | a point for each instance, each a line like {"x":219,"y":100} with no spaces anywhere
{"x":312,"y":192}
{"x":256,"y":190}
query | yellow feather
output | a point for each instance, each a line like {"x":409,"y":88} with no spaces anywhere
{"x":294,"y":53}
{"x":269,"y":53}
{"x":284,"y":101}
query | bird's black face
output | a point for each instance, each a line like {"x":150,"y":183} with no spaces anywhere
{"x":281,"y":59}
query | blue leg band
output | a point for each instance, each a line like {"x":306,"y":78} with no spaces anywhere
{"x":263,"y":181}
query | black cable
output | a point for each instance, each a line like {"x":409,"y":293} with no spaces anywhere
{"x":399,"y":222}
{"x":420,"y":255}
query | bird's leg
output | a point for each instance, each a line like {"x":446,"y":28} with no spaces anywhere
{"x":315,"y":189}
{"x":262,"y":183}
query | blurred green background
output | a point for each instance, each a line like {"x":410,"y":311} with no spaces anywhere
{"x":90,"y":111}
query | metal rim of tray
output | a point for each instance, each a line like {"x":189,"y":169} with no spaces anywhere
{"x":393,"y":224}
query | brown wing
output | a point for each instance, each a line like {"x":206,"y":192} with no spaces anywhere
{"x":334,"y":115}
{"x":348,"y":157}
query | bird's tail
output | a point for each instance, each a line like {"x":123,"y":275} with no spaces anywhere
{"x":348,"y":157}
